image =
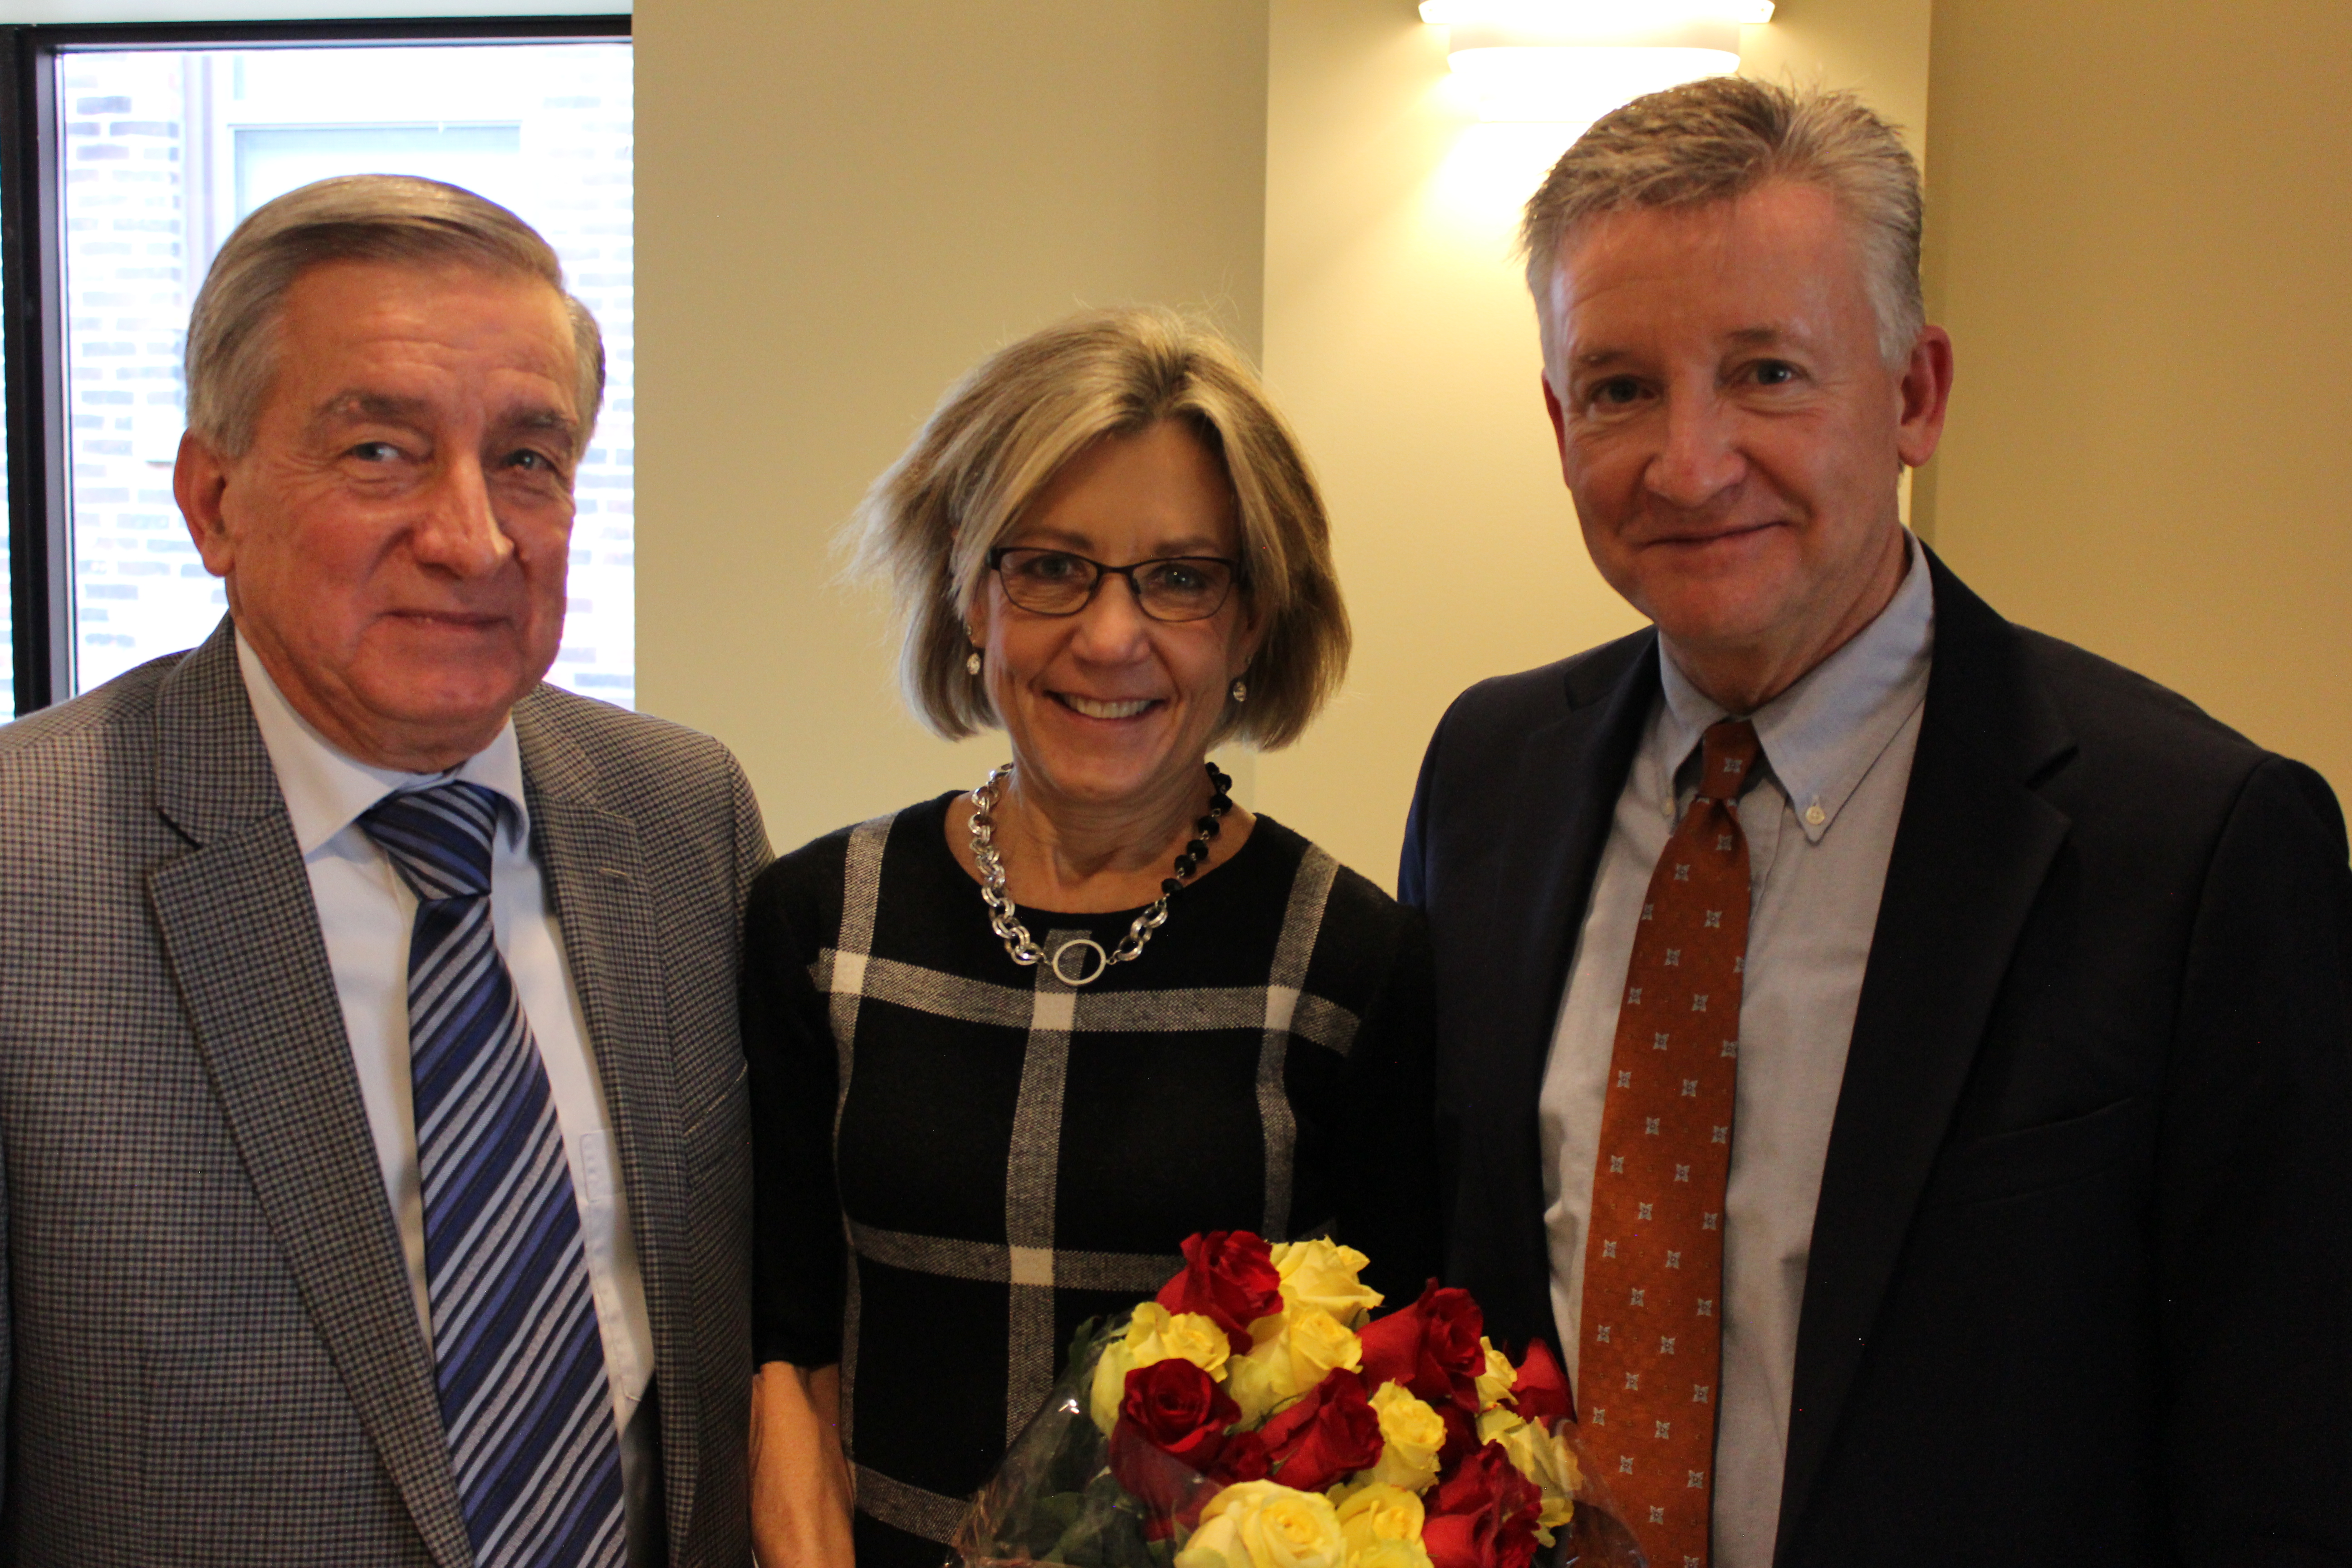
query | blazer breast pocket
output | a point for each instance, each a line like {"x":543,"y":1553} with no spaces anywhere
{"x":2038,"y":1158}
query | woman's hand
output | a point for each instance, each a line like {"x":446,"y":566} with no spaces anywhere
{"x":801,"y":1487}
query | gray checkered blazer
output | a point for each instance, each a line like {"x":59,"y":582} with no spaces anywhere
{"x":210,"y":1352}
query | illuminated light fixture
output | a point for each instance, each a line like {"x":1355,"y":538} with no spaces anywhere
{"x":1575,"y":60}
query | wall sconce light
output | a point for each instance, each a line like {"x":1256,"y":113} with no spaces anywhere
{"x":1575,"y":60}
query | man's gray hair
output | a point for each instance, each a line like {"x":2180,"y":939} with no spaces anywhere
{"x":233,"y":331}
{"x":1719,"y":138}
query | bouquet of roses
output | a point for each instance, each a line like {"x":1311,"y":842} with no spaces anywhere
{"x":1256,"y":1414}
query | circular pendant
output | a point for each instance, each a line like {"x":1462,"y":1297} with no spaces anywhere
{"x":1084,"y":977}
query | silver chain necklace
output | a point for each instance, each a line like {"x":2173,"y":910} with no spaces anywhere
{"x":1005,"y":920}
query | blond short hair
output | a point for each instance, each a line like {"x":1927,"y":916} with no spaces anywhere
{"x":1015,"y":420}
{"x":232,"y":354}
{"x":1719,"y":138}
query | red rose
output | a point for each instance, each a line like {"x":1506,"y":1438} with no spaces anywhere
{"x":1230,"y":1279}
{"x":1331,"y":1433}
{"x":1542,"y":1393}
{"x":1430,"y":1347}
{"x":1457,"y":1332}
{"x":1170,"y":1435}
{"x":1461,"y":1436}
{"x":1242,"y":1459}
{"x":1484,"y":1516}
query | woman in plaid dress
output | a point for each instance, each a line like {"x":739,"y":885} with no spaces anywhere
{"x":1010,"y":1047}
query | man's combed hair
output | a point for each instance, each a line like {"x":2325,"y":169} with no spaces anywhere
{"x":232,"y":356}
{"x":1719,"y":138}
{"x":998,"y":438}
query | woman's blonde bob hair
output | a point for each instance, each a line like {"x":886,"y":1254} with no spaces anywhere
{"x":1001,"y":435}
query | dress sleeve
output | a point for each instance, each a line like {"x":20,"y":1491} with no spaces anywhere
{"x":799,"y":1268}
{"x":1382,"y":1147}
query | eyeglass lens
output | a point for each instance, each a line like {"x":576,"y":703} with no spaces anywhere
{"x":1056,"y":583}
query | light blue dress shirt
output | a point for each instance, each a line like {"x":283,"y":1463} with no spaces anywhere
{"x":1820,"y":824}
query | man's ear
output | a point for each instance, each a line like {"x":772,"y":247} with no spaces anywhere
{"x":200,"y":484}
{"x":1926,"y":392}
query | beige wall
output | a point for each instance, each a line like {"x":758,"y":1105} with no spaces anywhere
{"x":840,"y":205}
{"x":1399,"y":337}
{"x":2139,"y":233}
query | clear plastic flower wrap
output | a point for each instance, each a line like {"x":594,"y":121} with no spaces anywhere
{"x":1255,"y":1416}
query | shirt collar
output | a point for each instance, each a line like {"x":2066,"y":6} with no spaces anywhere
{"x":1822,"y":735}
{"x":326,"y":791}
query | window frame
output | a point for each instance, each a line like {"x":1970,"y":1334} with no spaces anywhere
{"x":32,"y":277}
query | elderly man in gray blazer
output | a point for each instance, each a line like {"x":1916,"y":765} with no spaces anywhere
{"x":372,"y":1105}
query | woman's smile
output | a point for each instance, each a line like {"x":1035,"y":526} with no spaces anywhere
{"x":1105,"y":706}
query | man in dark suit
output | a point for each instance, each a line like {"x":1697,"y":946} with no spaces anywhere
{"x":372,"y":1100}
{"x":1902,"y":1059}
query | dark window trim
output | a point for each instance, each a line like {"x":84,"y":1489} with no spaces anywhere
{"x":32,"y":315}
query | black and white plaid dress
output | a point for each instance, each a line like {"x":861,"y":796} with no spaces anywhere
{"x":960,"y":1158}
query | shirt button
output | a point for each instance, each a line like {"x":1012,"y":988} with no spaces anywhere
{"x":1815,"y":816}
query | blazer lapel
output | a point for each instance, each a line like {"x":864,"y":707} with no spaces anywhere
{"x":1971,"y":851}
{"x":1562,"y":804}
{"x":1557,"y":814}
{"x":241,"y":935}
{"x":597,"y":879}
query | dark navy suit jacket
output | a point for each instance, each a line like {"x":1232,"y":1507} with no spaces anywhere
{"x":2081,"y":1283}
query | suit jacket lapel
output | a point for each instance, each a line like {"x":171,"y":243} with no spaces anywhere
{"x":1970,"y":853}
{"x":1556,"y":816}
{"x":1577,"y":764}
{"x":597,"y":879}
{"x":241,"y":935}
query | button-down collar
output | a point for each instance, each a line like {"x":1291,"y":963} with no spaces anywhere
{"x":1822,"y":735}
{"x":326,"y":790}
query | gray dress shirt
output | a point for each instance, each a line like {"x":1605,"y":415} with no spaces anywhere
{"x":1820,"y":824}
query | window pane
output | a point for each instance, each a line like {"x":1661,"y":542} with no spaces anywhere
{"x":167,"y":149}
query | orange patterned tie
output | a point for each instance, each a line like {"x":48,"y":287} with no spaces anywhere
{"x":1653,"y":1316}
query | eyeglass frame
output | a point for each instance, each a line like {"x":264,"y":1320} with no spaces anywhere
{"x":1104,"y":570}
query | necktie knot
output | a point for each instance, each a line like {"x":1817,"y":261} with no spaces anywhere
{"x":438,"y":838}
{"x":1728,"y":763}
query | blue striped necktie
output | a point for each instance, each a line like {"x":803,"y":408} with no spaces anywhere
{"x":518,"y":1360}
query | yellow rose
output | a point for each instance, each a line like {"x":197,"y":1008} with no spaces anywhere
{"x":1390,"y":1554}
{"x":1109,"y":1385}
{"x":1262,"y":1525}
{"x":1544,"y":1459}
{"x":1411,"y":1436}
{"x":1495,"y":1383}
{"x":1153,"y":1335}
{"x":1321,"y":1274}
{"x":1249,"y":1382}
{"x":1376,"y":1513}
{"x":1156,"y":1334}
{"x":1309,"y":1345}
{"x":1493,"y":1423}
{"x":1271,"y":1327}
{"x":1320,"y":1344}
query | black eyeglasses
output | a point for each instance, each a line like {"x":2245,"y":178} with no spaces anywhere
{"x":1059,"y":583}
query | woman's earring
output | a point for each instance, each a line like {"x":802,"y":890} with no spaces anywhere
{"x":1241,"y":692}
{"x":972,"y":662}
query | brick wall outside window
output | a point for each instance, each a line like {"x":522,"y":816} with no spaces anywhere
{"x":154,"y":170}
